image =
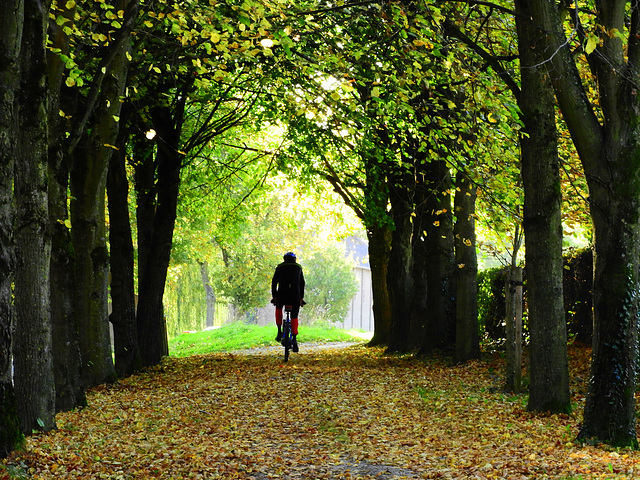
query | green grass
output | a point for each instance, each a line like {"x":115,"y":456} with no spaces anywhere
{"x":240,"y":336}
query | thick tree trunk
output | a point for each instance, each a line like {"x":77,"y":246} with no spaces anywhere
{"x":153,"y":272}
{"x":67,"y":362}
{"x":11,"y":23}
{"x":88,"y":185}
{"x":88,"y":188}
{"x":123,"y":306}
{"x":32,"y":347}
{"x":548,"y":361}
{"x":466,"y":272}
{"x":610,"y":155}
{"x":422,"y":257}
{"x":400,"y":270}
{"x":434,"y":255}
{"x":609,"y":413}
{"x":121,"y":258}
{"x":379,"y":237}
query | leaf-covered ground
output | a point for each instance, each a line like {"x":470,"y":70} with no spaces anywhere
{"x":349,"y":413}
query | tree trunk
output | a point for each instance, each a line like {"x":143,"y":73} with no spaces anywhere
{"x":67,"y":361}
{"x":88,"y":185}
{"x":422,"y":256}
{"x":153,"y":272}
{"x":121,"y":258}
{"x":210,"y":296}
{"x":466,"y":272}
{"x":548,"y":361}
{"x":123,"y":305}
{"x":144,"y":183}
{"x":611,"y":159}
{"x":88,"y":189}
{"x":434,"y":257}
{"x":32,"y":347}
{"x":379,"y":237}
{"x":11,"y":23}
{"x":400,"y":271}
{"x":609,"y":413}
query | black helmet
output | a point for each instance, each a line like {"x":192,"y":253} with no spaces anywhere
{"x":289,"y":257}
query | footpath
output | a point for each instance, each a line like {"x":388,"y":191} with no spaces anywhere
{"x":331,"y":412}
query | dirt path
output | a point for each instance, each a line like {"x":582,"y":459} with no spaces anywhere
{"x":305,"y":348}
{"x":331,"y":412}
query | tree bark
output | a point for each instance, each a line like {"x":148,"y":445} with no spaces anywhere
{"x":123,"y":305}
{"x":153,"y":272}
{"x":88,"y":185}
{"x":611,"y":159}
{"x":379,"y":237}
{"x":67,"y":362}
{"x":466,"y":273}
{"x":32,"y":347}
{"x":400,"y":270}
{"x":88,"y":189}
{"x":11,"y":23}
{"x":548,"y":361}
{"x":434,"y":255}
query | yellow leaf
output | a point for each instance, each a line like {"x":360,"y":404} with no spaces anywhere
{"x":592,"y":43}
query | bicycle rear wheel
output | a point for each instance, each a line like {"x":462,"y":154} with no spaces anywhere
{"x":286,"y":340}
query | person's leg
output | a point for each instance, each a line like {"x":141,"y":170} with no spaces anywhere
{"x":279,"y":321}
{"x":295,"y":310}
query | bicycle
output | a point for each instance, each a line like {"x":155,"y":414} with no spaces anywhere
{"x":287,"y":334}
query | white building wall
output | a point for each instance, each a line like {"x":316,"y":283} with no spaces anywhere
{"x":360,"y":314}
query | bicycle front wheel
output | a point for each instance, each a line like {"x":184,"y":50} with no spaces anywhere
{"x":286,"y":340}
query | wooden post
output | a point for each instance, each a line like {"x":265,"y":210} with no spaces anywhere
{"x":513,"y":314}
{"x":517,"y":297}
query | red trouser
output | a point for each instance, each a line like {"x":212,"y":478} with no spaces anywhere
{"x":294,"y":321}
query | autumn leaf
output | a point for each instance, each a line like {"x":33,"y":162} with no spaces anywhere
{"x":328,"y":414}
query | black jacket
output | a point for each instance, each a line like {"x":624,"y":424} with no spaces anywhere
{"x":287,"y":285}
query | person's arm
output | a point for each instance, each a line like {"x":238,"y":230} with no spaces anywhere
{"x":274,"y":284}
{"x":301,"y":284}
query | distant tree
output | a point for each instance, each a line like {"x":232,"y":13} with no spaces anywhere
{"x":331,"y":285}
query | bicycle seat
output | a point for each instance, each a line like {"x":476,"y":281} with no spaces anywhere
{"x":288,"y":308}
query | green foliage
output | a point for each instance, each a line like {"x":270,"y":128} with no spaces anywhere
{"x":491,"y":306}
{"x":331,"y":286}
{"x":238,"y":336}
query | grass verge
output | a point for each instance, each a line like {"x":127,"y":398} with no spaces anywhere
{"x":240,"y":336}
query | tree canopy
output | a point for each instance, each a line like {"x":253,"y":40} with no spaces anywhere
{"x":220,"y":134}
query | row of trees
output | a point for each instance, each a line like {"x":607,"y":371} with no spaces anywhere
{"x":230,"y":244}
{"x":395,"y":105}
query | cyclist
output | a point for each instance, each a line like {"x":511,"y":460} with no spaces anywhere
{"x":287,"y":288}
